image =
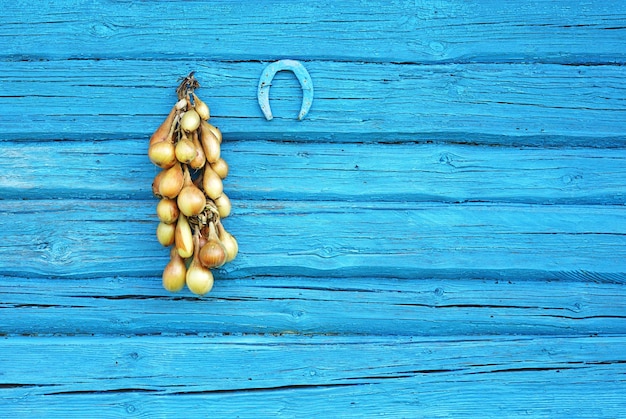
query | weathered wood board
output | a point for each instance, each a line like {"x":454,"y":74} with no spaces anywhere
{"x":495,"y":104}
{"x":443,"y":235}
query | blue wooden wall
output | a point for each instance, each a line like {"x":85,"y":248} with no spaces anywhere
{"x":444,"y":235}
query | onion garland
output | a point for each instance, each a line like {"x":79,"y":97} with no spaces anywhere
{"x":192,"y":200}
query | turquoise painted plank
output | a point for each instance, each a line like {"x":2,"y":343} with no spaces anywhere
{"x":120,"y":169}
{"x":463,"y":305}
{"x":580,"y":31}
{"x":88,"y":238}
{"x":322,"y":377}
{"x":496,"y":104}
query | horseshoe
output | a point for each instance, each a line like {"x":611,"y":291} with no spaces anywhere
{"x":266,"y":81}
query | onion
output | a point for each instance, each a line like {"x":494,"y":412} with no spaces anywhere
{"x":175,"y":272}
{"x":199,"y":161}
{"x":190,"y":121}
{"x":199,"y":279}
{"x":220,"y":167}
{"x":167,"y":211}
{"x":183,"y":237}
{"x":156,"y":182}
{"x":215,"y":130}
{"x":223,"y":205}
{"x":162,"y":154}
{"x":166,"y":233}
{"x":185,"y":150}
{"x":171,"y":182}
{"x":213,"y":253}
{"x":164,"y":131}
{"x":191,"y":199}
{"x":212,"y":183}
{"x":210,"y":143}
{"x":201,"y":108}
{"x":229,"y":242}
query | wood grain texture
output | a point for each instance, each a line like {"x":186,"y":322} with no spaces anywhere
{"x":566,"y":305}
{"x":496,"y":104}
{"x":255,"y":377}
{"x":69,"y":238}
{"x":444,"y":235}
{"x":387,"y":31}
{"x":312,"y":170}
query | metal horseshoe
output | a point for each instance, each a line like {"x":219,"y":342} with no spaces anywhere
{"x":266,"y":81}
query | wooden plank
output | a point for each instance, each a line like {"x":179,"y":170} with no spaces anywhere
{"x":269,"y":376}
{"x":82,"y":238}
{"x":368,"y":305}
{"x":578,"y":31}
{"x":496,"y":104}
{"x":119,"y":169}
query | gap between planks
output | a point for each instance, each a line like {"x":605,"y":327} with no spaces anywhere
{"x":83,"y":238}
{"x":368,"y":306}
{"x":519,"y":105}
{"x":294,"y":375}
{"x":120,"y":169}
{"x":558,"y":31}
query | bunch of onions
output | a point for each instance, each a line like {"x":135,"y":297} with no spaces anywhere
{"x":187,"y":149}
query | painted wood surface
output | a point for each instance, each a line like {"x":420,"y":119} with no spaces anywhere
{"x":444,"y":235}
{"x":420,"y":173}
{"x":568,"y":31}
{"x":511,"y":104}
{"x":331,"y":376}
{"x":464,"y":305}
{"x":100,"y":238}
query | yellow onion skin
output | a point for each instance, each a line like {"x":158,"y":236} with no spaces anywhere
{"x":223,"y":205}
{"x":220,"y":167}
{"x":185,"y":151}
{"x":229,"y":242}
{"x":201,"y":108}
{"x":215,"y":130}
{"x":167,"y":210}
{"x":200,"y":160}
{"x":183,"y":237}
{"x":175,"y":272}
{"x":166,"y":233}
{"x":172,"y":182}
{"x":212,"y":183}
{"x":191,"y":200}
{"x":156,"y":182}
{"x":164,"y":131}
{"x":199,"y":279}
{"x":231,"y":246}
{"x":190,"y":121}
{"x":212,"y":254}
{"x":210,"y":143}
{"x":162,"y":154}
